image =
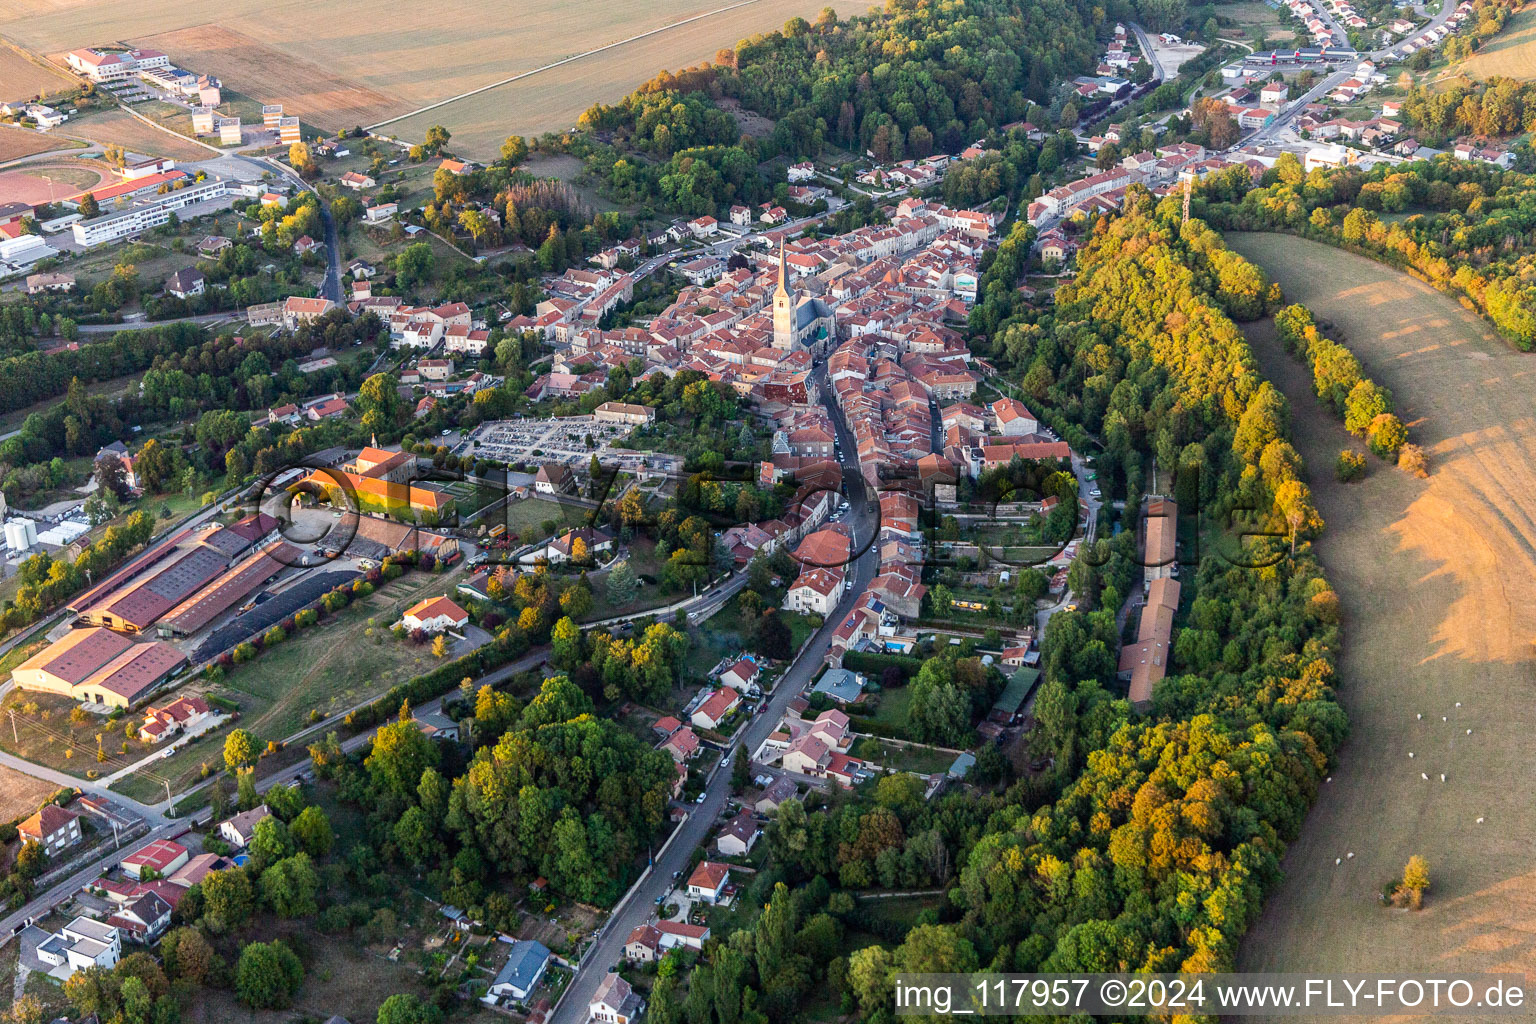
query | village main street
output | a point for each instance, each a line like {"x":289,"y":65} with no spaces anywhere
{"x":640,"y":905}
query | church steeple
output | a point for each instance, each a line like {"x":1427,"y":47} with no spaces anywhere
{"x":783,"y":308}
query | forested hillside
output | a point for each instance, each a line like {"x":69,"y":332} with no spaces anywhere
{"x":1158,"y":853}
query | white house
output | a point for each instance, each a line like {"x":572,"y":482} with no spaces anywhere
{"x":241,"y":829}
{"x":520,"y":975}
{"x":434,"y":615}
{"x":553,"y":479}
{"x":53,"y":828}
{"x":582,"y":545}
{"x":614,"y":1002}
{"x":739,"y":835}
{"x":708,"y":881}
{"x":802,"y":171}
{"x":1013,"y":419}
{"x":741,"y":676}
{"x":713,"y":711}
{"x":144,"y":919}
{"x":815,"y":592}
{"x":81,"y":944}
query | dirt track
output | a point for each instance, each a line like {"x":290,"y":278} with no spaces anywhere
{"x":1437,"y":579}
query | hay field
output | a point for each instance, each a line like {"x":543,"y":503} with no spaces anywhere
{"x":134,"y":135}
{"x":23,"y":77}
{"x":1512,"y":53}
{"x":346,"y":62}
{"x":1436,"y":579}
{"x":20,"y":794}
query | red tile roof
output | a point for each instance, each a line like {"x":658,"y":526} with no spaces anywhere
{"x":49,"y":819}
{"x":709,"y":875}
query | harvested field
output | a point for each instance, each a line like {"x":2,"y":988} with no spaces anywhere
{"x":1510,"y":54}
{"x":21,"y":794}
{"x":69,"y":180}
{"x":339,"y":64}
{"x":122,"y":128}
{"x":306,"y":90}
{"x":1435,"y":578}
{"x":16,"y":143}
{"x":26,"y":76}
{"x":554,"y":99}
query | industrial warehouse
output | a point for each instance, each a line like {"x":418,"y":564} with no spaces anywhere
{"x":195,"y":594}
{"x":173,"y":590}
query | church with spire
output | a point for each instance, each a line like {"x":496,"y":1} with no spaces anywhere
{"x":800,"y":321}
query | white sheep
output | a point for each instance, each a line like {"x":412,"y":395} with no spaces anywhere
{"x":1424,"y":776}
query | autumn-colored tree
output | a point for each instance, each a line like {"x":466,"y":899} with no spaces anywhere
{"x":1387,"y":435}
{"x":1415,"y":881}
{"x":1412,"y":460}
{"x":240,"y":750}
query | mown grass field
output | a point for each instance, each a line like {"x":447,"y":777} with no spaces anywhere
{"x":1510,"y":54}
{"x":340,"y":64}
{"x":1435,"y":578}
{"x":336,"y":664}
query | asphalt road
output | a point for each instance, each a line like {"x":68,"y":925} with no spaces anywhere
{"x":201,"y":318}
{"x":330,"y":287}
{"x":1146,"y":49}
{"x":703,"y":818}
